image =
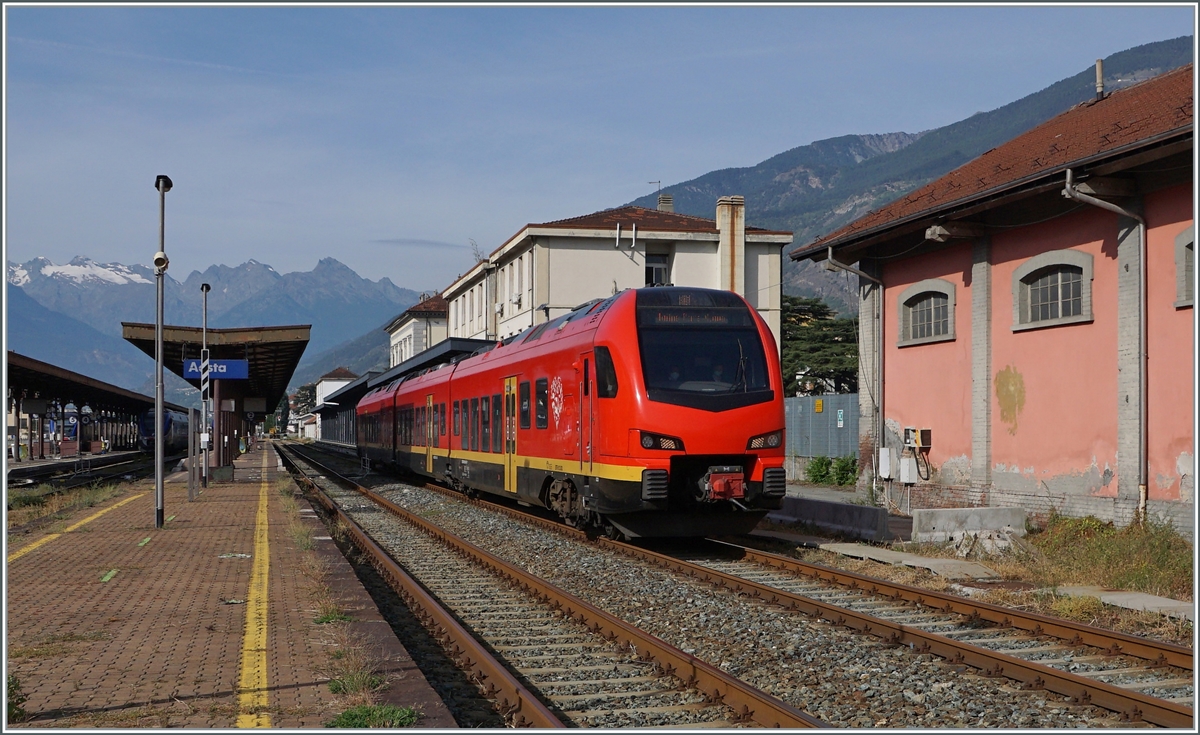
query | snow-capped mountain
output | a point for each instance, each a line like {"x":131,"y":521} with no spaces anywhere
{"x":338,"y":303}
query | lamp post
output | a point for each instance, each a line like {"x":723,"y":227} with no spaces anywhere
{"x":204,"y":289}
{"x":163,"y":185}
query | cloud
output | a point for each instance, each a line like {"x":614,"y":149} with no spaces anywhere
{"x":115,"y":53}
{"x":410,"y":242}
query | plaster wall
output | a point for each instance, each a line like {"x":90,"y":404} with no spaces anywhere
{"x":1054,"y":390}
{"x":929,"y":385}
{"x":1171,"y":380}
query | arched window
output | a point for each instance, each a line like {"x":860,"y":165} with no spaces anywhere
{"x":1185,"y":269}
{"x":1051,"y":289}
{"x":926,"y":313}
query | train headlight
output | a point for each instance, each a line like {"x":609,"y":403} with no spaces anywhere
{"x":659,"y":441}
{"x":766,"y":441}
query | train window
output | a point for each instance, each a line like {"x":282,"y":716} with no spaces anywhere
{"x":497,"y":423}
{"x":543,"y":385}
{"x":485,"y":425}
{"x":464,"y":430}
{"x":442,"y":418}
{"x":587,"y":377}
{"x":525,"y":405}
{"x":437,"y":422}
{"x":474,"y":424}
{"x":606,"y":374}
{"x":454,"y":421}
{"x":421,"y":426}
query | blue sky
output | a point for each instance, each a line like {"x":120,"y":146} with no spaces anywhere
{"x":388,"y":137}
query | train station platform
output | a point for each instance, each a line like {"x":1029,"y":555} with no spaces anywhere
{"x":208,"y":622}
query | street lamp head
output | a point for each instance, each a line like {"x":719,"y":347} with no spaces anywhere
{"x":204,"y":288}
{"x":162,"y":183}
{"x":160,"y":261}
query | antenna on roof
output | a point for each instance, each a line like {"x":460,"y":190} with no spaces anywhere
{"x":659,"y":185}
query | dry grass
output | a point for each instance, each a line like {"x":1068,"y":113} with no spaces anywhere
{"x":41,"y":501}
{"x":1150,"y":558}
{"x":353,"y":672}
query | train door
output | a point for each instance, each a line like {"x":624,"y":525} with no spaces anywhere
{"x":429,"y":429}
{"x":510,"y":435}
{"x":586,"y":396}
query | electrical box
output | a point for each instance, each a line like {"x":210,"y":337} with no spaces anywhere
{"x":908,"y":470}
{"x":885,"y":463}
{"x":918,"y":438}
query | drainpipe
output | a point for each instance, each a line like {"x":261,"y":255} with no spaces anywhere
{"x":1070,"y":192}
{"x":831,"y":264}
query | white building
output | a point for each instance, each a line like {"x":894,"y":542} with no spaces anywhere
{"x":417,"y":329}
{"x":326,"y":384}
{"x":549,"y":268}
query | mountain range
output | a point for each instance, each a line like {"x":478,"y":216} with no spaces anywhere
{"x":83,"y":303}
{"x":70,"y":315}
{"x":815,"y":189}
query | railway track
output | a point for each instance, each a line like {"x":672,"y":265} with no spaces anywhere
{"x":549,"y":658}
{"x":61,"y":477}
{"x":1142,"y":681}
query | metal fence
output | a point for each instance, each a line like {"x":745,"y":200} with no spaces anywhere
{"x":822,"y":426}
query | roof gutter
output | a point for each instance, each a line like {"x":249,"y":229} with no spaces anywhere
{"x":1071,"y":192}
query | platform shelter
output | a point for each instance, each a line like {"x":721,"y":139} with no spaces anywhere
{"x":239,"y":403}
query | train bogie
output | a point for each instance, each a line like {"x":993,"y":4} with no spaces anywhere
{"x":655,"y":412}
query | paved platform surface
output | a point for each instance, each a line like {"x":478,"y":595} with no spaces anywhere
{"x":115,"y":624}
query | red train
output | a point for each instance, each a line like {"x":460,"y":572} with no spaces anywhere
{"x":656,"y":412}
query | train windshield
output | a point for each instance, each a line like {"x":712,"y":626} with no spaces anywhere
{"x":701,"y":349}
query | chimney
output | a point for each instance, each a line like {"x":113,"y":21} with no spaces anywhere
{"x":666,"y":203}
{"x":1099,"y":79}
{"x":731,"y":243}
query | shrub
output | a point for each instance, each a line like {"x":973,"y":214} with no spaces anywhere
{"x":845,"y":470}
{"x":16,"y":698}
{"x":818,"y":470}
{"x":376,"y":715}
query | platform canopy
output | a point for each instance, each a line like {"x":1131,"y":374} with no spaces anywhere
{"x":55,"y":383}
{"x":272,"y":352}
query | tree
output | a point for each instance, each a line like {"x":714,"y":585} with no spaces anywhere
{"x":304,"y":400}
{"x":822,"y":346}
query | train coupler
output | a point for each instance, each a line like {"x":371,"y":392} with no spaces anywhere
{"x":723,"y":483}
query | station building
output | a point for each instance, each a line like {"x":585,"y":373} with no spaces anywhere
{"x":550,"y":268}
{"x":415,"y":330}
{"x":1032,"y":311}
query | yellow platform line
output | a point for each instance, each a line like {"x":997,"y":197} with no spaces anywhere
{"x":51,"y":536}
{"x":252,"y":685}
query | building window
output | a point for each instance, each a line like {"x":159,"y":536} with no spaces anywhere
{"x":657,"y":270}
{"x":926,"y":311}
{"x":1185,"y":270}
{"x":1052,"y":289}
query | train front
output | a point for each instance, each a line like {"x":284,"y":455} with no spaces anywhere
{"x":703,"y":418}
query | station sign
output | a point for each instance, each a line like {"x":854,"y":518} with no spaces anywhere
{"x":218,"y":369}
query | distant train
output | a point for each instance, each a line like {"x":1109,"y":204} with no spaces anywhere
{"x":656,"y":412}
{"x":175,"y":434}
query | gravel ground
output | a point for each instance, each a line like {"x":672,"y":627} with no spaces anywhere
{"x":846,"y":679}
{"x":590,"y":681}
